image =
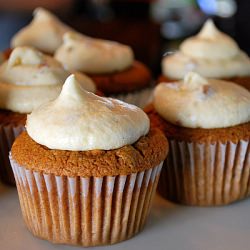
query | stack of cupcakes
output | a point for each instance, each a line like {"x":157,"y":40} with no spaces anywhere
{"x":111,"y":65}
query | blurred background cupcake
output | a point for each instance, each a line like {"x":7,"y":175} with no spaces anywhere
{"x":27,"y":79}
{"x":89,"y":165}
{"x":207,"y":124}
{"x":210,"y":53}
{"x":44,"y":32}
{"x":111,"y":65}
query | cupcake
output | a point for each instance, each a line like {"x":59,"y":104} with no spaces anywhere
{"x":27,"y":79}
{"x":110,"y":64}
{"x":207,"y":124}
{"x":211,"y":54}
{"x":87,"y":168}
{"x":44,"y":33}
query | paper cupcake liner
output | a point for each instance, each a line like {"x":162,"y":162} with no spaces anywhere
{"x":8,"y":133}
{"x":206,"y":174}
{"x":85,"y":211}
{"x":139,"y":98}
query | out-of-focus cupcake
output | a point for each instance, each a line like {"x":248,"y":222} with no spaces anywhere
{"x":45,"y":32}
{"x":1,"y":57}
{"x":110,"y":64}
{"x":207,"y":123}
{"x":87,"y":168}
{"x":27,"y":79}
{"x":211,"y":54}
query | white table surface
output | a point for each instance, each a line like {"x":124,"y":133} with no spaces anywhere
{"x":169,"y":227}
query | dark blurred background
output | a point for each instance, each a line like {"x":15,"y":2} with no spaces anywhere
{"x":150,"y":27}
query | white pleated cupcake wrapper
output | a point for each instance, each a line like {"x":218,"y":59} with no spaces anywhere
{"x":206,"y":174}
{"x":85,"y":211}
{"x":139,"y":98}
{"x":8,"y":134}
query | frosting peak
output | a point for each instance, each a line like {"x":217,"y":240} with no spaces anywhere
{"x":45,"y":32}
{"x":209,"y":30}
{"x":79,"y":120}
{"x":202,"y":103}
{"x":94,"y":56}
{"x":25,"y":55}
{"x":193,"y":81}
{"x":210,"y":43}
{"x":72,"y":91}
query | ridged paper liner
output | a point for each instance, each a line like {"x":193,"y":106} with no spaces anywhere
{"x":85,"y":211}
{"x":139,"y":98}
{"x":206,"y":174}
{"x":8,"y":134}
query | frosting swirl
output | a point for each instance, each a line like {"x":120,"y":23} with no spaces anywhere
{"x":96,"y":56}
{"x":196,"y":102}
{"x":79,"y":120}
{"x":45,"y":32}
{"x":30,"y":78}
{"x":210,"y":53}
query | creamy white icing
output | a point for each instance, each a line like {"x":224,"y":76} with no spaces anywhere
{"x":210,"y":53}
{"x":79,"y":120}
{"x":196,"y":102}
{"x":45,"y":32}
{"x":89,"y":55}
{"x":30,"y":78}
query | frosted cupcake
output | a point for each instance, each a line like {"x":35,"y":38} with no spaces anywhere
{"x":87,"y":168}
{"x":27,"y":79}
{"x":110,"y":64}
{"x":44,"y":33}
{"x":211,"y":54}
{"x":207,"y":124}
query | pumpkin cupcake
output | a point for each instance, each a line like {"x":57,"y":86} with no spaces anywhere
{"x":207,"y":124}
{"x":27,"y":79}
{"x":87,"y":168}
{"x":111,"y":65}
{"x":211,"y":54}
{"x":44,"y":33}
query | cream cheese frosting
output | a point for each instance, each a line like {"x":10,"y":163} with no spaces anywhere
{"x":30,"y":78}
{"x":79,"y":120}
{"x":197,"y":102}
{"x":45,"y":32}
{"x":94,"y":56}
{"x":210,"y":53}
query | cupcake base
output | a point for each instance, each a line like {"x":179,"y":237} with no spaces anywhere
{"x":140,"y":98}
{"x":206,"y":174}
{"x":85,"y":211}
{"x":8,"y":133}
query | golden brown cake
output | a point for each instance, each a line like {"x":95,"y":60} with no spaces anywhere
{"x":132,"y":79}
{"x":145,"y":153}
{"x":87,"y":175}
{"x":208,"y":164}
